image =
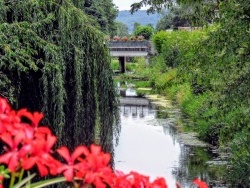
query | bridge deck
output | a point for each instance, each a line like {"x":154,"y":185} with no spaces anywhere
{"x":134,"y":101}
{"x":128,"y":53}
{"x":129,"y":48}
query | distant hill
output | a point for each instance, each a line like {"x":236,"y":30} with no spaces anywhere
{"x":140,"y":16}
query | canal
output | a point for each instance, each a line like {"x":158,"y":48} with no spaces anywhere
{"x":149,"y":144}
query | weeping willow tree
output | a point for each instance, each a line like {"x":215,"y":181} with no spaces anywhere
{"x":54,"y":60}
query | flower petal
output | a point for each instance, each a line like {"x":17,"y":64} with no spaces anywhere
{"x":7,"y":138}
{"x":51,"y":140}
{"x":13,"y":163}
{"x":42,"y":169}
{"x":5,"y":158}
{"x":200,"y":183}
{"x":64,"y":152}
{"x":69,"y":174}
{"x":37,"y":118}
{"x":79,"y":151}
{"x":24,"y":112}
{"x":95,"y":149}
{"x":28,"y":163}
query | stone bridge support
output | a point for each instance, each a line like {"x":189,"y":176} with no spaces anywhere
{"x":123,"y":49}
{"x":122,"y":64}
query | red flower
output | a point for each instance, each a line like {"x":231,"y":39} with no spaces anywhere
{"x":69,"y":169}
{"x":138,"y":180}
{"x":39,"y":153}
{"x":159,"y":183}
{"x":8,"y":120}
{"x":96,"y":158}
{"x":120,"y":181}
{"x":35,"y":118}
{"x":200,"y":183}
{"x":11,"y":157}
{"x":4,"y":106}
{"x":98,"y":171}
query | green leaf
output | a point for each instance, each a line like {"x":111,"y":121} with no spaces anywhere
{"x":24,"y":181}
{"x":45,"y":183}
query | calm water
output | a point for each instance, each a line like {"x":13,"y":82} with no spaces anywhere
{"x":145,"y":145}
{"x":150,"y":146}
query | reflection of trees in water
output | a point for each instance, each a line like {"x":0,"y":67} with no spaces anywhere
{"x":168,"y":130}
{"x":192,"y":164}
{"x":192,"y":160}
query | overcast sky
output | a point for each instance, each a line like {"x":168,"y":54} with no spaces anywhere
{"x":124,"y":4}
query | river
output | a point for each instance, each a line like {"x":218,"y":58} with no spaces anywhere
{"x":149,"y":144}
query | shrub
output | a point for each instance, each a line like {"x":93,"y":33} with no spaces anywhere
{"x":145,"y":31}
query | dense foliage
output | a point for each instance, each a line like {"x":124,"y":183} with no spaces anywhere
{"x":122,"y":29}
{"x":172,"y":19}
{"x":145,"y":31}
{"x":53,"y":58}
{"x":159,"y":5}
{"x":102,"y":11}
{"x":207,"y":73}
{"x":198,"y":13}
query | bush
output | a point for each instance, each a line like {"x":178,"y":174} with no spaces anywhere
{"x":145,"y":31}
{"x":115,"y":64}
{"x":240,"y":160}
{"x":159,"y":38}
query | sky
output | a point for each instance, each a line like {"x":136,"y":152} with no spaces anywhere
{"x":124,"y":4}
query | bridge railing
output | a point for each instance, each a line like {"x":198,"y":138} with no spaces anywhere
{"x":130,"y":46}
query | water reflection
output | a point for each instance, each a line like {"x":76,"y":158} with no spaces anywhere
{"x":136,"y":111}
{"x":145,"y":145}
{"x":149,"y":145}
{"x":192,"y":164}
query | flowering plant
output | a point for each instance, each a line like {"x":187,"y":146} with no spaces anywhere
{"x":26,"y":145}
{"x":141,"y":38}
{"x":116,"y":38}
{"x":124,"y":38}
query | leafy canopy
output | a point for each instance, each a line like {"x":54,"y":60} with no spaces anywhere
{"x":53,"y":58}
{"x":158,"y":5}
{"x":145,"y":31}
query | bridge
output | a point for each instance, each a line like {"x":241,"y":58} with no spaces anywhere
{"x":123,"y":49}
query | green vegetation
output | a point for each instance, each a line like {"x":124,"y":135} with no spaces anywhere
{"x":53,"y":58}
{"x":114,"y":64}
{"x":145,"y":31}
{"x":122,"y":29}
{"x":103,"y":12}
{"x":131,"y":66}
{"x":138,"y":82}
{"x":173,"y":18}
{"x":207,"y":73}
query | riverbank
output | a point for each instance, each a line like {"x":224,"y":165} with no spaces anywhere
{"x":175,"y":118}
{"x":188,"y":138}
{"x":199,"y":153}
